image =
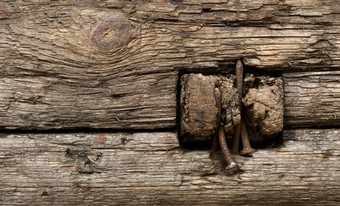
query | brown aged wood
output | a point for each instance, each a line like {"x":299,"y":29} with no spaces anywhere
{"x":151,"y":168}
{"x":312,"y":99}
{"x":114,"y":64}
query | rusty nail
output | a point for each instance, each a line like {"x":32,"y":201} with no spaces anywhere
{"x":236,"y":140}
{"x":239,"y":85}
{"x":232,"y":166}
{"x":218,"y":100}
{"x":239,"y":82}
{"x":242,"y":130}
{"x":247,"y":149}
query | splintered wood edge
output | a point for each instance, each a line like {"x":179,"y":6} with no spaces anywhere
{"x":151,"y":168}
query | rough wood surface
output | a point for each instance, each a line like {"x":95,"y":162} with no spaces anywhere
{"x":137,"y":101}
{"x":151,"y":168}
{"x":168,"y":34}
{"x":113,"y":64}
{"x":312,"y":99}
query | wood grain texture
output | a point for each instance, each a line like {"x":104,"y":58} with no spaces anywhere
{"x":142,"y":101}
{"x":112,"y":59}
{"x":151,"y":168}
{"x":312,"y":99}
{"x":69,"y":66}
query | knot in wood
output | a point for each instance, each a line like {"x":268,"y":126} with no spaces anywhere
{"x":111,"y":35}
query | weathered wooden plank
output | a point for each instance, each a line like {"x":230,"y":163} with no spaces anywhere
{"x":151,"y":168}
{"x":169,"y":34}
{"x":141,"y":101}
{"x":91,"y":50}
{"x":312,"y":99}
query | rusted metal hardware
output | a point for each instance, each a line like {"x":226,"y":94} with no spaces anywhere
{"x":232,"y":166}
{"x":239,"y":86}
{"x":236,"y":140}
{"x":247,"y":149}
{"x":211,"y":109}
{"x":241,"y":129}
{"x":218,"y":99}
{"x":239,"y":82}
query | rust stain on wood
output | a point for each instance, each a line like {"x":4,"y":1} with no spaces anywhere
{"x":101,"y":139}
{"x":2,"y":14}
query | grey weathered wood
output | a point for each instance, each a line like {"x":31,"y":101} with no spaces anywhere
{"x":312,"y":99}
{"x":141,"y":101}
{"x":170,"y":34}
{"x":113,"y":64}
{"x":151,"y":168}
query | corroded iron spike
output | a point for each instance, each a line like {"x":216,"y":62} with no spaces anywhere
{"x":247,"y":149}
{"x":239,"y":82}
{"x":239,"y":85}
{"x":236,"y":140}
{"x":218,"y":100}
{"x":232,"y":166}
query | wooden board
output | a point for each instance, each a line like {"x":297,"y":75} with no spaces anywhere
{"x":72,"y":36}
{"x":151,"y":168}
{"x":114,"y":64}
{"x":312,"y":99}
{"x":137,"y":101}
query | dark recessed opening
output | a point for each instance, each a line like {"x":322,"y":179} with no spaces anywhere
{"x":222,"y":69}
{"x":206,"y":10}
